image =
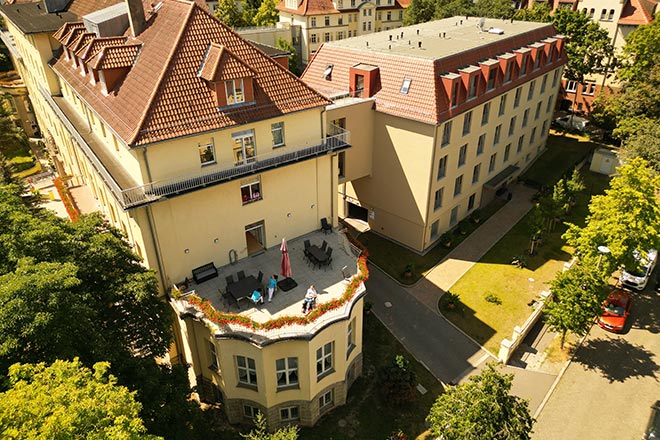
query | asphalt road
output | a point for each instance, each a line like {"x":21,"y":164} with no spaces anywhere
{"x":608,"y":388}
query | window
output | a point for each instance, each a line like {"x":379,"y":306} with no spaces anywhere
{"x":498,"y":131}
{"x":234,"y":89}
{"x":492,"y":75}
{"x":610,"y":17}
{"x":379,"y":15}
{"x":454,"y":93}
{"x":537,"y":60}
{"x":462,"y":155}
{"x":340,"y":35}
{"x":507,"y":72}
{"x":369,"y":23}
{"x":475,"y":173}
{"x":480,"y":144}
{"x":525,"y":118}
{"x":502,"y":105}
{"x":370,"y":11}
{"x":389,"y":15}
{"x":325,"y":401}
{"x":289,"y":414}
{"x":215,"y":366}
{"x":532,"y":137}
{"x":521,"y":140}
{"x":571,"y":86}
{"x":523,"y":66}
{"x":507,"y":152}
{"x":287,"y":372}
{"x":350,"y":16}
{"x":312,"y":38}
{"x":277,"y":130}
{"x":471,"y":202}
{"x":324,"y":361}
{"x":485,"y":114}
{"x":458,"y":185}
{"x":340,"y":19}
{"x":512,"y":125}
{"x":474,"y":80}
{"x":400,"y":12}
{"x":544,"y":82}
{"x":437,"y":200}
{"x":434,"y":229}
{"x":206,"y":154}
{"x":530,"y":93}
{"x":467,"y":122}
{"x":250,"y":411}
{"x":555,"y":78}
{"x":516,"y":100}
{"x":313,"y":22}
{"x":537,"y":113}
{"x":544,"y":130}
{"x":589,"y":89}
{"x":453,"y":217}
{"x":527,"y":157}
{"x":548,"y":107}
{"x":244,"y":149}
{"x":491,"y":165}
{"x":364,"y":12}
{"x":446,"y":133}
{"x":327,"y":20}
{"x":247,"y":371}
{"x":350,"y":338}
{"x":405,"y":86}
{"x":442,"y":167}
{"x":364,"y":26}
{"x":603,"y":14}
{"x":326,"y":37}
{"x":341,"y":164}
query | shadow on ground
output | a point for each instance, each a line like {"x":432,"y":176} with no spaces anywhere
{"x":645,"y":312}
{"x":617,"y":359}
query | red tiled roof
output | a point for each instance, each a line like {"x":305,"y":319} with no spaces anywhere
{"x":222,"y":65}
{"x":71,"y":36}
{"x":426,"y":100}
{"x":327,"y":7}
{"x":84,"y":7}
{"x":66,"y":29}
{"x":113,"y":57}
{"x":82,"y":41}
{"x":638,"y":12}
{"x":162,"y":97}
{"x":96,"y":44}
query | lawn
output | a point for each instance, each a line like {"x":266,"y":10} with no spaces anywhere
{"x":562,"y":153}
{"x":489,"y":322}
{"x":393,"y":258}
{"x":366,"y":414}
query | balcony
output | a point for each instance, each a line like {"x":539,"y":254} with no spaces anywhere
{"x":329,"y":283}
{"x":130,"y":195}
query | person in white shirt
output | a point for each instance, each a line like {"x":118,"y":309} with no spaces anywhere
{"x":310,"y":299}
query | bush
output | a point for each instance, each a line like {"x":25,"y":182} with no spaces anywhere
{"x":398,"y":381}
{"x":493,"y":298}
{"x":22,"y":163}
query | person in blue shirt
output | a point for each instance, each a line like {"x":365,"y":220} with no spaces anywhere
{"x":272,"y":284}
{"x":256,"y":297}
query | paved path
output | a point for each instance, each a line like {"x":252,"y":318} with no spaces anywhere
{"x":440,"y":279}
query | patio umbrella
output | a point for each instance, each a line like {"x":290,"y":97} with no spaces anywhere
{"x":286,"y":263}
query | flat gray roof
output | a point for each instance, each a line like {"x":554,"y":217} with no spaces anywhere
{"x":439,"y":38}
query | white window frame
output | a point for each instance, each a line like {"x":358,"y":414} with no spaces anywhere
{"x":350,"y":338}
{"x":405,"y":86}
{"x":287,"y":368}
{"x":235,"y":95}
{"x":467,"y":123}
{"x":485,"y":114}
{"x":254,"y":192}
{"x":326,"y":400}
{"x":498,"y":133}
{"x":442,"y":167}
{"x":286,"y":414}
{"x":493,"y":163}
{"x":462,"y":155}
{"x":241,"y":146}
{"x":324,"y":361}
{"x":446,"y":133}
{"x":215,"y":364}
{"x":437,"y":198}
{"x":476,"y":171}
{"x":248,"y":369}
{"x":571,"y":86}
{"x":250,"y":411}
{"x":203,"y":150}
{"x":458,"y":186}
{"x":275,"y":128}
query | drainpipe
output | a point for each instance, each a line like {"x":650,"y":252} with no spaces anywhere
{"x":152,"y":227}
{"x":433,"y":161}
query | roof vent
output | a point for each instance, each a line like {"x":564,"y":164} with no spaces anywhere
{"x":367,"y":44}
{"x":417,"y":31}
{"x":390,"y":38}
{"x":481,"y":23}
{"x":496,"y":31}
{"x":108,"y":22}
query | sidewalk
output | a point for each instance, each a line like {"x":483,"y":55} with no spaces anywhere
{"x":460,"y":260}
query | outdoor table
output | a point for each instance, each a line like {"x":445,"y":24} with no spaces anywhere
{"x":317,"y":254}
{"x":242,"y":289}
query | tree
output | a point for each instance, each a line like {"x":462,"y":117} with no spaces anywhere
{"x":494,"y":8}
{"x":227,"y":12}
{"x":644,"y":143}
{"x":453,"y":8}
{"x":577,"y":297}
{"x":67,"y":400}
{"x":539,"y":13}
{"x":419,"y":11}
{"x":294,"y":60}
{"x":261,"y":431}
{"x":575,"y":185}
{"x":398,"y":381}
{"x":267,"y":14}
{"x":625,"y":219}
{"x":641,"y":52}
{"x":482,"y":408}
{"x":12,"y":138}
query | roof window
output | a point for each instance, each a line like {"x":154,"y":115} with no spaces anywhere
{"x":405,"y":86}
{"x":327,"y":73}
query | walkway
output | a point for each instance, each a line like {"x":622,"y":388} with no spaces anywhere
{"x":444,"y":275}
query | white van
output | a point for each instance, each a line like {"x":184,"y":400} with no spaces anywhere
{"x":638,"y":279}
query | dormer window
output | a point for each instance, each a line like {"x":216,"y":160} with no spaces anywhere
{"x":523,"y":66}
{"x":234,"y":90}
{"x":472,"y":91}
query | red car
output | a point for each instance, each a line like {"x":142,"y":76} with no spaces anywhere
{"x":616,"y":309}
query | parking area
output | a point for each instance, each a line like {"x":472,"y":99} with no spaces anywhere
{"x":613,"y":380}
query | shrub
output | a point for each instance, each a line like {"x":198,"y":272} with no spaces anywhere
{"x":398,"y":381}
{"x":493,"y":298}
{"x":22,"y":163}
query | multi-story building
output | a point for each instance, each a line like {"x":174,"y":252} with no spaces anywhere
{"x":322,"y":21}
{"x":619,"y":18}
{"x":204,"y":151}
{"x":443,"y":116}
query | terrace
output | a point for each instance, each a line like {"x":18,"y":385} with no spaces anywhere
{"x":329,"y":282}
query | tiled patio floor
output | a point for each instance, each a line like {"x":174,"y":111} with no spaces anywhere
{"x":329,"y":282}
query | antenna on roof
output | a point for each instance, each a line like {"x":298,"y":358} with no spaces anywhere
{"x":481,"y":24}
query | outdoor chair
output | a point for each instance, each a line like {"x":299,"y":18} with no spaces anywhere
{"x":229,"y":279}
{"x":241,"y":274}
{"x":324,"y":245}
{"x":307,"y":244}
{"x":346,"y":274}
{"x":328,"y":262}
{"x":260,"y":277}
{"x":325,"y":226}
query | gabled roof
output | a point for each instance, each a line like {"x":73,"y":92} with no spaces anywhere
{"x":161,"y":97}
{"x":327,"y":7}
{"x":82,"y":41}
{"x":66,"y":28}
{"x":96,"y":44}
{"x":222,"y":65}
{"x":638,"y":12}
{"x":114,"y":57}
{"x":84,"y":7}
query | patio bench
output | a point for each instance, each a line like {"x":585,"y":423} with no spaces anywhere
{"x":204,"y":273}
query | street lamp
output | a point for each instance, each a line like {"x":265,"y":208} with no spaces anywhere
{"x":603,"y":250}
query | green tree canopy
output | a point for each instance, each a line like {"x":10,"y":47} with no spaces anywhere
{"x":267,"y":14}
{"x":494,"y":8}
{"x":419,"y":11}
{"x":641,"y":52}
{"x":227,"y":12}
{"x":260,"y":432}
{"x":294,"y":59}
{"x":67,"y":400}
{"x":12,"y":138}
{"x":539,"y":13}
{"x":452,"y":8}
{"x":644,"y":143}
{"x":577,"y":297}
{"x":481,"y":409}
{"x":626,"y":218}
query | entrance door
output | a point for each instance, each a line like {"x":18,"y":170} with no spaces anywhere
{"x":255,"y":238}
{"x":358,"y":212}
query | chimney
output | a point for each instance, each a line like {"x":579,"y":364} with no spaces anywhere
{"x":135,"y":16}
